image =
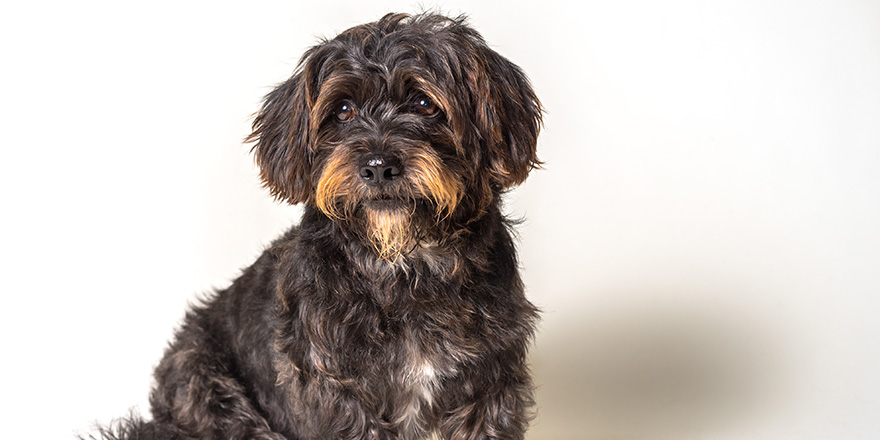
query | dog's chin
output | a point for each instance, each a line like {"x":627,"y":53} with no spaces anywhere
{"x":389,"y":227}
{"x":388,"y":204}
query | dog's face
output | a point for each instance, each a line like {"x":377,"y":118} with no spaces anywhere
{"x":403,"y":130}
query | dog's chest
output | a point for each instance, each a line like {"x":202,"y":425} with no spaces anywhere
{"x":419,"y":381}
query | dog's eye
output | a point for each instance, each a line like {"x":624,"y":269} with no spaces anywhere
{"x":425,"y":107}
{"x":344,"y":111}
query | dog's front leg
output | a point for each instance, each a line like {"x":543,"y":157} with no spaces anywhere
{"x":350,"y":420}
{"x":493,"y":408}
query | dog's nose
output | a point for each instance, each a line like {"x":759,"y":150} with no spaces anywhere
{"x":380,"y":169}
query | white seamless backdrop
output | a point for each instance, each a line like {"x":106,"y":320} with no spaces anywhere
{"x":703,"y":239}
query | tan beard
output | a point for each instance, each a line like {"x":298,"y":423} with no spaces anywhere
{"x":389,"y":231}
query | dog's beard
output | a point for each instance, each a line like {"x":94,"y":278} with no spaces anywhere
{"x":390,"y":231}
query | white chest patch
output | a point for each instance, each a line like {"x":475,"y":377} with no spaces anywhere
{"x":420,"y":384}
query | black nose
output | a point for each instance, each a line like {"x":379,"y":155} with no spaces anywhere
{"x":380,"y":169}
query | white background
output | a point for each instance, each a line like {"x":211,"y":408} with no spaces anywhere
{"x":703,"y":239}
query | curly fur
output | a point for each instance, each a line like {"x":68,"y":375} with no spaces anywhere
{"x":392,"y":311}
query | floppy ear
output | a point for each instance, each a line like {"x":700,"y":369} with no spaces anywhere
{"x":281,"y":131}
{"x":508,"y":116}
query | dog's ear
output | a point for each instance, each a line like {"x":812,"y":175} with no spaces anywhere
{"x":282,"y":132}
{"x":507,"y":115}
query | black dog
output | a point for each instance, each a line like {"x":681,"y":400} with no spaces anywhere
{"x":395,"y":309}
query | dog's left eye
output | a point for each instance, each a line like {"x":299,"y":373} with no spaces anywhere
{"x":344,"y":111}
{"x":425,"y":107}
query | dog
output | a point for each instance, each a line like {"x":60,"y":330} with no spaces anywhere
{"x":395,"y":309}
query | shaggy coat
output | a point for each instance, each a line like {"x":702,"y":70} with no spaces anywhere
{"x":394,"y":310}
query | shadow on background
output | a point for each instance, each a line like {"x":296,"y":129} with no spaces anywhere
{"x":678,"y":370}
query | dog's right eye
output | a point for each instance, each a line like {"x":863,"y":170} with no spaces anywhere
{"x":425,"y":107}
{"x":344,"y":111}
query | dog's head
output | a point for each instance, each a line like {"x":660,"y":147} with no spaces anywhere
{"x":405,"y":129}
